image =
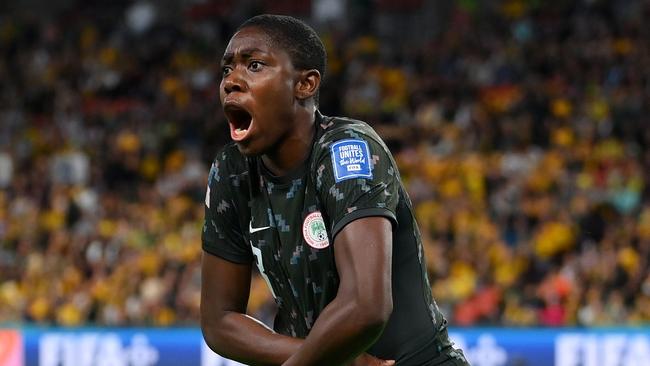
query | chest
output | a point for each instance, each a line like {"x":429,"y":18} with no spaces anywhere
{"x":290,"y":238}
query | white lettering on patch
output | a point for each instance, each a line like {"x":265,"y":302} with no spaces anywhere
{"x":350,"y":159}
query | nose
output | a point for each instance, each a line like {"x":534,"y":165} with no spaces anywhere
{"x":233,"y":83}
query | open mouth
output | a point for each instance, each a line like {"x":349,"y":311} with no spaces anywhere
{"x":240,"y":121}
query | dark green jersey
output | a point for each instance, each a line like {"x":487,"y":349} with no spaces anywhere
{"x":287,"y":225}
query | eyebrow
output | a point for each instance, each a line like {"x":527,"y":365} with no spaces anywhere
{"x":245,"y":53}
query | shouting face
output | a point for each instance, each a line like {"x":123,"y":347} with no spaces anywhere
{"x":258,"y":91}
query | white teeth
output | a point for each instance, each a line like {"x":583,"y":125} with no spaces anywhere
{"x":240,"y":131}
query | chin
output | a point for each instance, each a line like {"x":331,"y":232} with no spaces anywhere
{"x":248,"y":150}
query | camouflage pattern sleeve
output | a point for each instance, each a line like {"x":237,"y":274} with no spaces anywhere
{"x":355,"y":177}
{"x":222,"y":235}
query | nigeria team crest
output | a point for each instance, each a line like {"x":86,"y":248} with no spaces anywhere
{"x":314,"y":231}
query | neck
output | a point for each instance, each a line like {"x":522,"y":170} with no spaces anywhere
{"x":295,"y":148}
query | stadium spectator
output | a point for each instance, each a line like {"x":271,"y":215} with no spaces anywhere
{"x":520,"y":129}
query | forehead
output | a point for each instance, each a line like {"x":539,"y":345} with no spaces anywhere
{"x":252,"y":39}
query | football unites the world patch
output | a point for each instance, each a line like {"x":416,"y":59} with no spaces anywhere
{"x":314,"y":231}
{"x":351,"y":159}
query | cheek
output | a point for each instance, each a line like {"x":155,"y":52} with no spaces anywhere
{"x":289,"y":84}
{"x":279,"y":89}
{"x":222,"y":93}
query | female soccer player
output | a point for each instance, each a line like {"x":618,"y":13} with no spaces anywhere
{"x":317,"y":203}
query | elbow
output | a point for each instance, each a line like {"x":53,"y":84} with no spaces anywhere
{"x":375,"y":314}
{"x":210,"y":337}
{"x":213,"y":338}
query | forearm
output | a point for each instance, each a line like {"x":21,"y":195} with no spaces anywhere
{"x":342,"y":331}
{"x":244,"y":339}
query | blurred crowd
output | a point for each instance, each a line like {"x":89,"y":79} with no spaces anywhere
{"x":520,"y":128}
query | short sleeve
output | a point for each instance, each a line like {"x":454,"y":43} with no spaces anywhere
{"x":222,"y":234}
{"x":356,"y":177}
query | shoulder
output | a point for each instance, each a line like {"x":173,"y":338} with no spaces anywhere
{"x":339,"y":130}
{"x":350,"y":148}
{"x":229,"y":155}
{"x":229,"y":163}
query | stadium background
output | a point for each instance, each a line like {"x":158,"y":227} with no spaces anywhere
{"x":521,"y":128}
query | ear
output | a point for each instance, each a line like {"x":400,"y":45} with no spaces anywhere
{"x":308,"y":84}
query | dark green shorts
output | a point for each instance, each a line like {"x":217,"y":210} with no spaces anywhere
{"x":446,"y":354}
{"x":449,"y":357}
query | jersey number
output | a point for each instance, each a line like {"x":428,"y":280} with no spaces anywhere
{"x":260,"y":265}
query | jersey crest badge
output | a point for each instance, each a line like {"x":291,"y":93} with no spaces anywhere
{"x":314,"y":231}
{"x":350,"y":159}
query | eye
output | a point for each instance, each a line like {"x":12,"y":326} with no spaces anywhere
{"x":225,"y":70}
{"x":255,"y":65}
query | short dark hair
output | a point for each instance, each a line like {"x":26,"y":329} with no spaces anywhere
{"x":298,"y":39}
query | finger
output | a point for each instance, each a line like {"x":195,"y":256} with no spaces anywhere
{"x":388,"y":362}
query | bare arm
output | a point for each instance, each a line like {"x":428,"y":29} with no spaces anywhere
{"x":354,"y":320}
{"x":226,"y":328}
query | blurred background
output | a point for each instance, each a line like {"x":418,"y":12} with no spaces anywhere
{"x":521,"y":129}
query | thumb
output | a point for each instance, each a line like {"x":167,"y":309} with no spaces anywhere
{"x":388,"y":363}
